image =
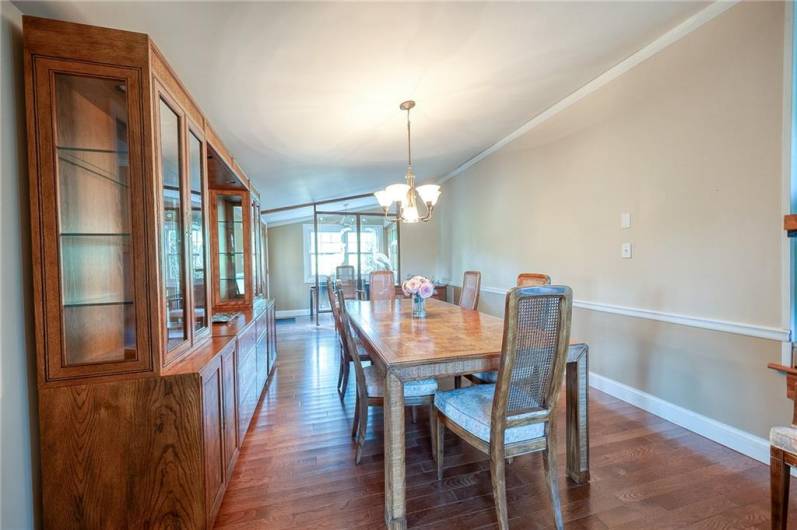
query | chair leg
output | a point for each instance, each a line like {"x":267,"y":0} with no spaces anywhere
{"x":779,"y":486}
{"x":549,"y":463}
{"x":340,"y":375}
{"x":433,"y":430}
{"x":361,"y":431}
{"x":457,"y":381}
{"x":345,"y":383}
{"x":414,"y":414}
{"x":356,"y":422}
{"x":439,"y":443}
{"x":498,"y":477}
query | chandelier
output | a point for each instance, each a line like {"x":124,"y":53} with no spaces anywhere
{"x":407,"y":195}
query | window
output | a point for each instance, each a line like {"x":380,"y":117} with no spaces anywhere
{"x":337,"y":245}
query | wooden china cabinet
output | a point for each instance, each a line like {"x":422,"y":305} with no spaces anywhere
{"x":143,"y":226}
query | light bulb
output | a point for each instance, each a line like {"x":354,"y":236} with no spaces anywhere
{"x":410,"y":215}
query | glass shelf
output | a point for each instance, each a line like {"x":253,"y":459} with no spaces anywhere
{"x":76,"y":157}
{"x":97,"y":304}
{"x":94,"y":234}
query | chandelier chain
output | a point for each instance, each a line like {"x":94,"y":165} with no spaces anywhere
{"x":409,"y":140}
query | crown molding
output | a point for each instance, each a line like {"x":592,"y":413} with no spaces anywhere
{"x":675,"y":34}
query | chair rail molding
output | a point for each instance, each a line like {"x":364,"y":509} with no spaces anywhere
{"x":738,"y":328}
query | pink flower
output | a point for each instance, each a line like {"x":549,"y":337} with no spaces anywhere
{"x":426,"y":289}
{"x":411,"y":286}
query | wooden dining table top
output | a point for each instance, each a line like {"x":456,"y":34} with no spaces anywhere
{"x":447,"y":331}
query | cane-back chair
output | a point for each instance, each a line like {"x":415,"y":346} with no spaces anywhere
{"x":348,"y":280}
{"x":517,"y":414}
{"x":345,"y":357}
{"x":371,"y":387}
{"x":524,"y":279}
{"x":471,"y":284}
{"x":382,"y":286}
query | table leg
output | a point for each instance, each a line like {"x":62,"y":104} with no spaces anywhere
{"x":395,"y":503}
{"x":577,"y":399}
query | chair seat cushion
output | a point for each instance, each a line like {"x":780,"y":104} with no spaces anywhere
{"x":487,"y":377}
{"x":784,"y":438}
{"x":471,"y":408}
{"x":375,"y":381}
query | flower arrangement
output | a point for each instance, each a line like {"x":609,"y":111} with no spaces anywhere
{"x":419,"y":288}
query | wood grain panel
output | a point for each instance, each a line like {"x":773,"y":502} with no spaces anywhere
{"x":55,"y":38}
{"x":213,"y":430}
{"x":147,"y":431}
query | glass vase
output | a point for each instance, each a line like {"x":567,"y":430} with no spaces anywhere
{"x":418,"y":306}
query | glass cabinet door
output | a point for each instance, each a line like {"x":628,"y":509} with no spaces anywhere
{"x":172,"y":251}
{"x":231,"y":212}
{"x":257,"y":250}
{"x":198,"y":240}
{"x":90,"y":174}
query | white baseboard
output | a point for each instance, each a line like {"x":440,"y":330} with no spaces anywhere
{"x":292,"y":313}
{"x":731,"y":437}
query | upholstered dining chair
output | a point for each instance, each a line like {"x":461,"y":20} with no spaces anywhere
{"x":345,"y":275}
{"x":517,"y":414}
{"x":530,"y":279}
{"x":345,"y":357}
{"x":524,"y":279}
{"x":382,"y":285}
{"x":471,"y":284}
{"x":783,"y":456}
{"x":371,"y":387}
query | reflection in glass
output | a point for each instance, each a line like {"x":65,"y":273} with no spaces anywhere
{"x":99,"y":322}
{"x":229,"y":220}
{"x":172,"y":237}
{"x":198,"y":267}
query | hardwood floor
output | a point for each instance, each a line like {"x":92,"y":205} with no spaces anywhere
{"x":296,"y":469}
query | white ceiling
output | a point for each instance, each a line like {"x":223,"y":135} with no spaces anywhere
{"x":306,"y":95}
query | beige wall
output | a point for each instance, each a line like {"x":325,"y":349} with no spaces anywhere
{"x":420,"y":249}
{"x":286,"y":268}
{"x":19,"y":459}
{"x":690,"y":143}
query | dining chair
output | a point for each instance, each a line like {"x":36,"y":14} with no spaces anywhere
{"x":371,"y":387}
{"x":345,"y":368}
{"x":345,"y":275}
{"x":524,"y":279}
{"x":471,"y":284}
{"x":382,"y":285}
{"x":530,"y":279}
{"x":517,"y":414}
{"x":783,"y":456}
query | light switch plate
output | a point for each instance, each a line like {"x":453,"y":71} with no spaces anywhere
{"x":625,"y":220}
{"x":625,"y":251}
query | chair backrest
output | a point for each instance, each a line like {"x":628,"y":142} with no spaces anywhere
{"x":333,"y":301}
{"x":382,"y":285}
{"x":350,"y":345}
{"x":534,"y":352}
{"x":345,"y":275}
{"x":531,"y":279}
{"x":471,"y":285}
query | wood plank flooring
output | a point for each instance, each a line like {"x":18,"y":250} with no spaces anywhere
{"x":296,"y":469}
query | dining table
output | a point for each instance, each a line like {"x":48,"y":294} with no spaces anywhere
{"x":449,"y":341}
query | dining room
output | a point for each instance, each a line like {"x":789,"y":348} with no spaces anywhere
{"x":494,"y":265}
